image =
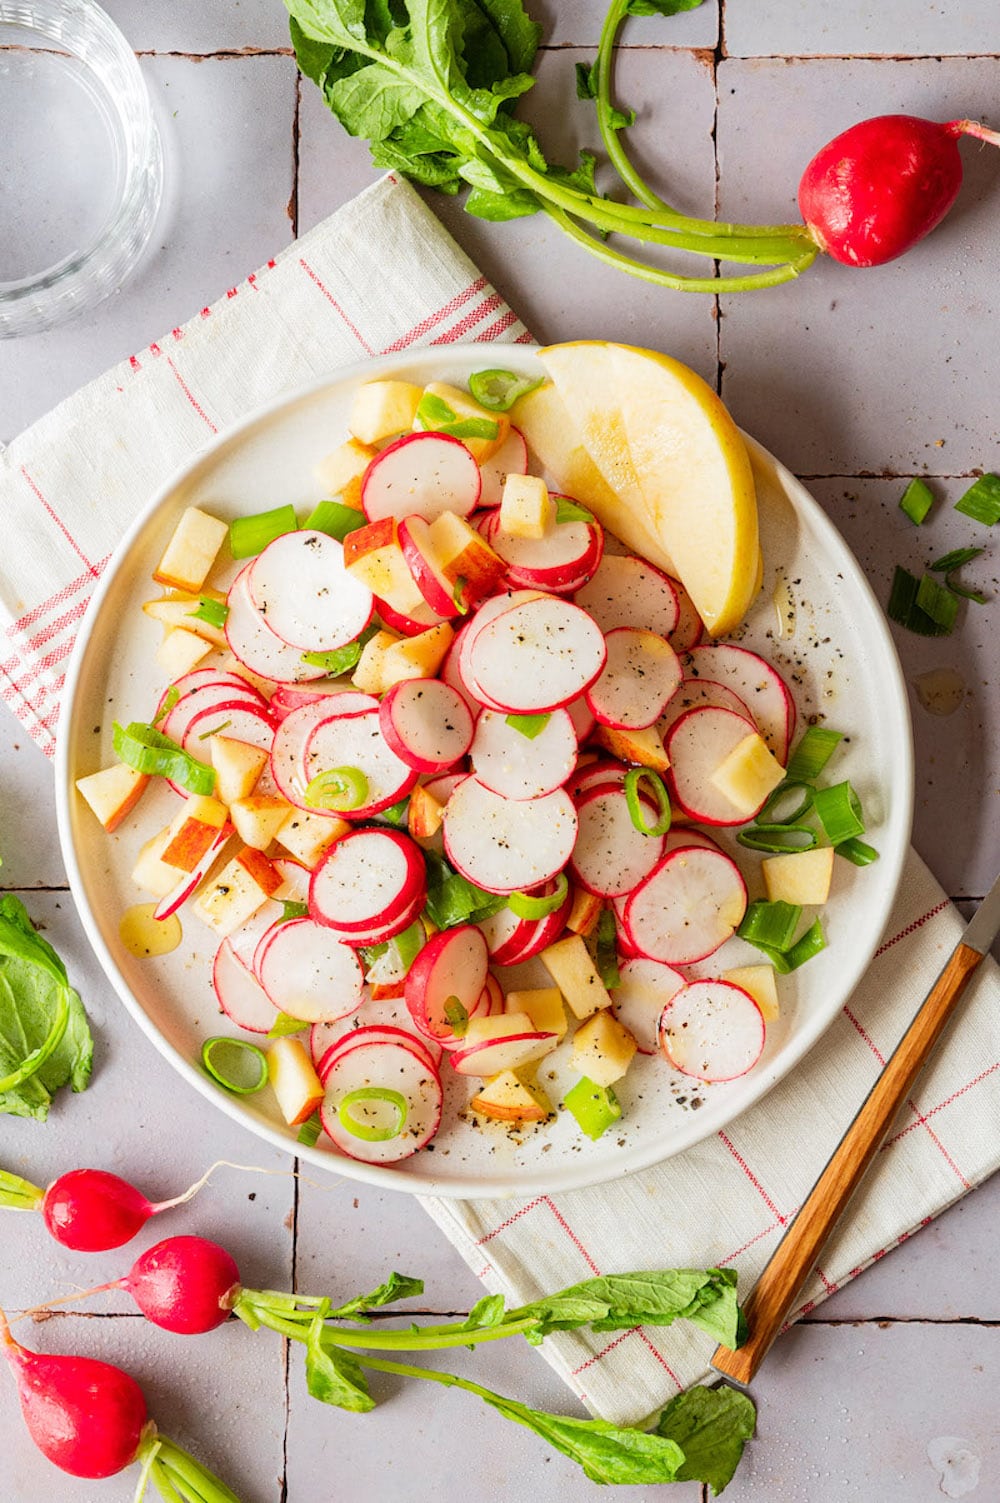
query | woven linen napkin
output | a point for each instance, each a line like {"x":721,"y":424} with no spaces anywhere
{"x":382,"y":275}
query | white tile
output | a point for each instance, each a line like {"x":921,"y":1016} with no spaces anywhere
{"x":579,"y":23}
{"x":192,"y":26}
{"x":933,"y":28}
{"x":848,"y":371}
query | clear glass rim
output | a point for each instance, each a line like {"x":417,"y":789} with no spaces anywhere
{"x":86,"y":276}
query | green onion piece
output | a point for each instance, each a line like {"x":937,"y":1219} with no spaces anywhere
{"x":397,"y":814}
{"x":528,"y":907}
{"x":634,"y":778}
{"x":838,"y":810}
{"x":903,"y":609}
{"x":937,"y":602}
{"x":499,"y":390}
{"x":772,"y":925}
{"x":606,"y":958}
{"x":338,"y":788}
{"x":171,"y":697}
{"x":771,"y":813}
{"x":981,"y":501}
{"x":335,"y":519}
{"x":308,"y":1133}
{"x":370,"y":953}
{"x":215,"y":730}
{"x":571,"y":511}
{"x":284,"y":1025}
{"x":963,"y":591}
{"x":341,"y":659}
{"x":529,"y":725}
{"x":251,"y":535}
{"x":234,"y":1064}
{"x":146,"y":749}
{"x":452,"y":899}
{"x":369,"y":1132}
{"x":458,"y":596}
{"x":408,"y":944}
{"x":948,"y":562}
{"x":436,"y":416}
{"x":857,"y":851}
{"x":916,"y":501}
{"x":776,"y":839}
{"x":214,"y":612}
{"x":595,"y":1107}
{"x":290,"y":909}
{"x":813,"y":752}
{"x":456,"y":1015}
{"x":811,"y":943}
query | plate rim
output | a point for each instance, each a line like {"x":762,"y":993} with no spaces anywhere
{"x":583,"y":1173}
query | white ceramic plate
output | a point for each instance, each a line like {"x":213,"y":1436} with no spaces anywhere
{"x":840,"y":662}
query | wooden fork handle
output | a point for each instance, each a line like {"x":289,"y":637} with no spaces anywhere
{"x":774,"y":1294}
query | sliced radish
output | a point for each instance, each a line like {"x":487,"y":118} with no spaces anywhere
{"x":433,"y":584}
{"x":451,"y":671}
{"x":240,"y":994}
{"x":390,"y":1067}
{"x":536,"y":657}
{"x":604,"y":772}
{"x":535,"y":935}
{"x":306,"y":596}
{"x":446,"y":980}
{"x":247,"y":937}
{"x":494,"y":1055}
{"x":508,"y":845}
{"x":357,"y":1035}
{"x":641,"y":674}
{"x":378,"y":934}
{"x":442,"y":788}
{"x":287,"y":697}
{"x":206,"y":696}
{"x":423,"y":474}
{"x":367,"y":880}
{"x":501,"y":931}
{"x":291,"y":740}
{"x":295,"y":880}
{"x":308,"y":971}
{"x":426,"y":723}
{"x":687,"y":907}
{"x":201,"y":678}
{"x":628,"y":591}
{"x":695,"y":694}
{"x":518,"y":766}
{"x":490,"y":1000}
{"x":189,"y":881}
{"x":423,"y":618}
{"x":697,"y":745}
{"x":252,"y":641}
{"x":371,"y":1014}
{"x":237,"y":719}
{"x":759,"y":686}
{"x":569,"y":553}
{"x":645,"y":987}
{"x":489,"y":611}
{"x":583,"y":718}
{"x":510,"y":459}
{"x":712,"y":1030}
{"x":682,"y":836}
{"x":611,"y":856}
{"x":356,"y":741}
{"x":690,"y":628}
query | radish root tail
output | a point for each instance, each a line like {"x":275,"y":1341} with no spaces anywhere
{"x":973,"y":128}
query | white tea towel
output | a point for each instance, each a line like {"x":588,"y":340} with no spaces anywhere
{"x":382,"y":275}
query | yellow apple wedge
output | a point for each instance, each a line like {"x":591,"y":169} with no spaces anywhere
{"x":666,"y":444}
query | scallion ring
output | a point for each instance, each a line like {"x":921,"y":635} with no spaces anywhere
{"x":145,"y":749}
{"x":527,"y":906}
{"x":777,"y":839}
{"x":497,"y":390}
{"x":771,"y":813}
{"x":367,"y":1131}
{"x":337,"y":788}
{"x":838,"y":810}
{"x":634,"y":778}
{"x":230,"y":1071}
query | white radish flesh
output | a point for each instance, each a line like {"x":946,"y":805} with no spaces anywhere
{"x":712,"y":1030}
{"x":447,"y":979}
{"x":535,"y":935}
{"x":422,"y":474}
{"x":502,"y":1054}
{"x":426,"y":723}
{"x":366,"y":880}
{"x":537,"y":656}
{"x":611,"y":856}
{"x":385,"y":1066}
{"x":510,"y":459}
{"x":696,"y":694}
{"x":327,"y":1039}
{"x":291,"y":738}
{"x":519,"y":766}
{"x":178,"y":896}
{"x":177,"y":722}
{"x":306,"y":596}
{"x":259,"y":648}
{"x":697,"y":745}
{"x":687,"y":907}
{"x":310,"y":973}
{"x":759,"y":686}
{"x":644,"y":988}
{"x":641,"y":674}
{"x":356,"y":741}
{"x":238,"y":720}
{"x":569,"y":552}
{"x":683,"y":835}
{"x":451,"y":671}
{"x":690,"y":627}
{"x":627,"y":591}
{"x":596,"y":775}
{"x":508,"y":845}
{"x":583,"y":718}
{"x":240,"y":994}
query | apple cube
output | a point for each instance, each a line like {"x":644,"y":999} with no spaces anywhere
{"x":416,"y":657}
{"x":175,"y":610}
{"x":569,"y":964}
{"x":543,"y":1005}
{"x":498,"y":1029}
{"x":258,"y":818}
{"x":748,"y":774}
{"x":645,"y":747}
{"x":263,"y":872}
{"x":424,"y":814}
{"x":308,"y":837}
{"x":465,"y":406}
{"x":194,"y":830}
{"x":367,"y":675}
{"x":526,"y":509}
{"x":760,"y":982}
{"x":800,"y":876}
{"x":151,"y":873}
{"x":238,"y":765}
{"x":180,"y":651}
{"x":191,"y":551}
{"x":113,"y":793}
{"x":603,"y":1049}
{"x":584,"y":911}
{"x":505,"y":1098}
{"x":373,"y":556}
{"x":383,"y":409}
{"x":461,"y":553}
{"x":342,"y":470}
{"x":233,"y":896}
{"x":293,"y":1079}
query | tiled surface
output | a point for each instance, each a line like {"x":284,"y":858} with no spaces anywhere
{"x":862,"y":377}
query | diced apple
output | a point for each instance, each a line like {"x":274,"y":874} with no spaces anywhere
{"x":748,"y":774}
{"x":569,"y":964}
{"x":526,"y":509}
{"x":191,"y":551}
{"x":113,"y":793}
{"x":307,"y":836}
{"x":151,"y":873}
{"x":180,"y":651}
{"x":603,"y":1049}
{"x":382,"y":409}
{"x":342,"y":470}
{"x":760,"y":982}
{"x":800,"y":876}
{"x":238,"y":765}
{"x":505,"y":1098}
{"x":175,"y":610}
{"x":424,"y":814}
{"x":231,"y":897}
{"x":462,"y":554}
{"x":258,"y":818}
{"x":263,"y":872}
{"x":416,"y":657}
{"x":584,"y":911}
{"x":373,"y":555}
{"x":543,"y":1005}
{"x":464,"y":406}
{"x":645,"y":747}
{"x":367,"y":675}
{"x":297,"y":1087}
{"x":201,"y":819}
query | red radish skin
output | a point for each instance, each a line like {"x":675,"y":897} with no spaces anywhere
{"x":184,"y":1284}
{"x":879,"y":187}
{"x":90,"y":1210}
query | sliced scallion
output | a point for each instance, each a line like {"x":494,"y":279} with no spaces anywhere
{"x":635,"y":778}
{"x":212,"y":612}
{"x":606,"y":959}
{"x":335,"y":519}
{"x":948,"y":562}
{"x":215,"y":730}
{"x":337,"y":788}
{"x":249,"y":536}
{"x":436,"y":416}
{"x":308,"y":1133}
{"x":916,"y":501}
{"x":857,"y":851}
{"x":981,"y":501}
{"x":528,"y":725}
{"x":903,"y":608}
{"x":341,"y":659}
{"x":146,"y":749}
{"x":772,"y":925}
{"x":499,"y":390}
{"x":813,"y":752}
{"x":964,"y":592}
{"x":811,"y":943}
{"x":396,"y":814}
{"x":408,"y":944}
{"x":370,"y":1132}
{"x":290,"y":909}
{"x":776,"y":811}
{"x":570,"y":511}
{"x":527,"y":906}
{"x":235,"y":1064}
{"x":937,"y":602}
{"x":456,"y":1015}
{"x":285,"y":1025}
{"x":777,"y":839}
{"x":171,"y":697}
{"x":838,"y":810}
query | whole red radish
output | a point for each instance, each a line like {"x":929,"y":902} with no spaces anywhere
{"x":184,"y":1284}
{"x":879,"y":187}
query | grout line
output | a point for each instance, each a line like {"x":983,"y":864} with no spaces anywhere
{"x":243,"y":53}
{"x":287,"y":1344}
{"x":718,"y":54}
{"x":884,"y":1321}
{"x":293,"y":201}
